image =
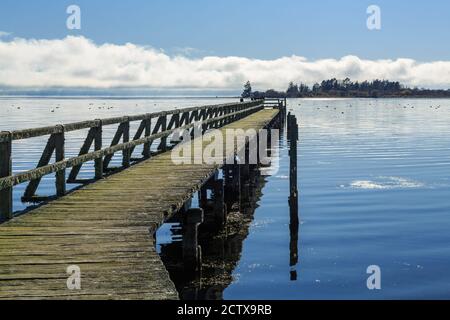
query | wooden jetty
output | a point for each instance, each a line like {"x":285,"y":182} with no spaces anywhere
{"x":107,"y":227}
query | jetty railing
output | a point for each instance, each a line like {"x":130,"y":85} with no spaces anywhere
{"x":275,"y":102}
{"x":165,"y":124}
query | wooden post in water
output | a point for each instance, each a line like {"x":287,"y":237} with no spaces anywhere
{"x":293,"y":199}
{"x":191,"y":250}
{"x":203,"y":196}
{"x":6,"y":199}
{"x":245,"y":179}
{"x":293,"y":139}
{"x":220,"y":211}
{"x":214,"y":209}
{"x":232,"y":174}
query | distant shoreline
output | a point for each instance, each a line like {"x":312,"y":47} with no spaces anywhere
{"x":346,"y":88}
{"x":125,"y":97}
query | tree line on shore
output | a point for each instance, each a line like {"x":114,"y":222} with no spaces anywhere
{"x":346,"y":88}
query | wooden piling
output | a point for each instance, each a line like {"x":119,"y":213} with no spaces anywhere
{"x":220,"y":212}
{"x":293,"y":198}
{"x":232,"y":174}
{"x":191,"y":250}
{"x":293,"y":139}
{"x":214,"y":209}
{"x":245,"y":179}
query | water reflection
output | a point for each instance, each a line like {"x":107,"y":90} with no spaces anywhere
{"x":294,"y":230}
{"x":220,"y":253}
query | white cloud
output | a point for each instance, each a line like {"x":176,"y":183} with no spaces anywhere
{"x":79,"y":62}
{"x":4,"y":34}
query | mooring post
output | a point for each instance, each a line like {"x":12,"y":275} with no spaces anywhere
{"x":191,"y":250}
{"x":6,"y":195}
{"x":293,"y":139}
{"x":293,"y":198}
{"x":98,"y":142}
{"x":245,"y":179}
{"x":59,"y":156}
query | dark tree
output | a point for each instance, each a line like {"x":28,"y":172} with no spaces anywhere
{"x":292,"y":91}
{"x":247,"y":93}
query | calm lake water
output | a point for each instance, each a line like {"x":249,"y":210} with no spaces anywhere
{"x":374,"y":182}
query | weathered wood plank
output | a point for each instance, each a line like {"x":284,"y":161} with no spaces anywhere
{"x":106,"y":229}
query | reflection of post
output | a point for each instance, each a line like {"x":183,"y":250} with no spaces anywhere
{"x":293,"y":244}
{"x":293,"y":198}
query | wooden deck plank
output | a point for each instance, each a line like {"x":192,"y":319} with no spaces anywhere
{"x":104,"y":228}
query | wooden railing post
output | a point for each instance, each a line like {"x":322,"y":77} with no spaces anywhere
{"x":98,"y":144}
{"x":56,"y":142}
{"x":126,"y":138}
{"x":148,"y":127}
{"x":227,"y":111}
{"x":6,"y":199}
{"x":59,"y":156}
{"x":163,"y":144}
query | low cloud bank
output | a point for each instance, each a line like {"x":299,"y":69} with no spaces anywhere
{"x":77,"y":62}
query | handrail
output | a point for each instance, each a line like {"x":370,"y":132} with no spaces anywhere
{"x":11,"y":181}
{"x":43,"y":131}
{"x":181,"y":119}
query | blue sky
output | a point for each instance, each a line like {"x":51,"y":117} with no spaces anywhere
{"x":220,"y":44}
{"x":265,"y":29}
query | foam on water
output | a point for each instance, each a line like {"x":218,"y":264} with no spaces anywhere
{"x":386,"y":183}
